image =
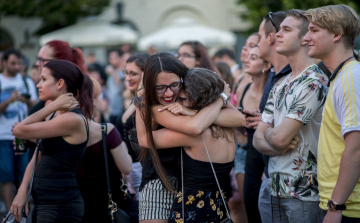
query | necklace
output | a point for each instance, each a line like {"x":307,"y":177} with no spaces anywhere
{"x":334,"y":74}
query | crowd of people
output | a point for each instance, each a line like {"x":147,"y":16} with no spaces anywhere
{"x":189,"y":137}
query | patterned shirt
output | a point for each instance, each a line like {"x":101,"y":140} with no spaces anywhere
{"x":294,"y":174}
{"x":270,"y":82}
{"x":341,"y":115}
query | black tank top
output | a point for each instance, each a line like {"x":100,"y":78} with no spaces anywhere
{"x":199,"y":175}
{"x":55,"y":176}
{"x":250,"y":131}
{"x":123,"y":129}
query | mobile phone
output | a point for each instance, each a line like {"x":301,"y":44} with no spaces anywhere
{"x":27,"y":96}
{"x":240,"y":109}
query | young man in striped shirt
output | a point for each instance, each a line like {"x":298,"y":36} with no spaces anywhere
{"x":331,"y":38}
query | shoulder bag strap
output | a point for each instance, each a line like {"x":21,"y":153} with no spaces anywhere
{"x":33,"y":170}
{"x":35,"y":161}
{"x":212,"y":167}
{"x":103,"y":129}
{"x":182,"y":185}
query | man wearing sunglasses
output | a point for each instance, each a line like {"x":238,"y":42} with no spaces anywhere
{"x":256,"y":192}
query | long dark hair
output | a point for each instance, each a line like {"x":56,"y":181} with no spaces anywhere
{"x":201,"y":54}
{"x":76,"y":82}
{"x":159,"y":62}
{"x":140,"y":60}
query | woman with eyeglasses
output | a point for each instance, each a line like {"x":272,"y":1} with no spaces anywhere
{"x":202,"y":200}
{"x":194,"y":54}
{"x":133,"y":71}
{"x":55,"y":49}
{"x":163,"y":79}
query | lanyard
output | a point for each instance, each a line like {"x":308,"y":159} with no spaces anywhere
{"x":333,"y":75}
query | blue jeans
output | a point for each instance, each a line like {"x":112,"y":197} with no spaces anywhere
{"x":344,"y":219}
{"x":70,"y":212}
{"x":11,"y":164}
{"x":240,"y":159}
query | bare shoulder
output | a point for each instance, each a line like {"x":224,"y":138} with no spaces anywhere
{"x":110,"y":127}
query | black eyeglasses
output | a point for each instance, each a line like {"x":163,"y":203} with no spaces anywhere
{"x":42,"y":61}
{"x":272,"y":21}
{"x":185,"y":55}
{"x":175,"y":86}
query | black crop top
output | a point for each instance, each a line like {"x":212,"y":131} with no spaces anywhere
{"x":168,"y":160}
{"x":198,"y":175}
{"x":55,"y":177}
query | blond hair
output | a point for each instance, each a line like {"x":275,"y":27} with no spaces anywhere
{"x":338,"y":19}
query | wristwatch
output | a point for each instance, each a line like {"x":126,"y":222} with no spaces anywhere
{"x":334,"y":206}
{"x":224,"y":97}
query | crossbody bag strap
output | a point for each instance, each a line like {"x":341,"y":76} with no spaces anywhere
{"x":212,"y":167}
{"x":111,"y":205}
{"x":103,"y":129}
{"x":35,"y":161}
{"x":33,"y":170}
{"x":182,"y":185}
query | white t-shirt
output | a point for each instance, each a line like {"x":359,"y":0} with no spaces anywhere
{"x":17,"y":108}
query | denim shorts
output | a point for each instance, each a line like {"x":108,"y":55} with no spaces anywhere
{"x":240,"y":158}
{"x":8,"y":161}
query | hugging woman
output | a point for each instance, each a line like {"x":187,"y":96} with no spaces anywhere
{"x":63,"y":142}
{"x":163,"y":77}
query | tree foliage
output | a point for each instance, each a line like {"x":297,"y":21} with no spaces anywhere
{"x":55,"y":13}
{"x":257,"y":9}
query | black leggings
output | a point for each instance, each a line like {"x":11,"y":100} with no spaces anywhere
{"x":254,"y":168}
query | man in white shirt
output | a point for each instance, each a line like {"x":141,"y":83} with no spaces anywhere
{"x":294,"y":108}
{"x":17,"y":95}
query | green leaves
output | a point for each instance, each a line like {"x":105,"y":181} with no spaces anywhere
{"x":55,"y":13}
{"x":257,"y":9}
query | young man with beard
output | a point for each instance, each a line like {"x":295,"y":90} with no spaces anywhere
{"x":17,"y":95}
{"x":331,"y":38}
{"x":293,"y":109}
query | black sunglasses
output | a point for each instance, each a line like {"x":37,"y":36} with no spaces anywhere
{"x":272,"y":21}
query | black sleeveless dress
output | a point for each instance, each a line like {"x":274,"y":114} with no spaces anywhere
{"x":203,"y":202}
{"x":55,"y":177}
{"x":254,"y":168}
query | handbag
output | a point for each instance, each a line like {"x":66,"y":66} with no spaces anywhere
{"x":10,"y":218}
{"x":117,"y":215}
{"x":226,"y":220}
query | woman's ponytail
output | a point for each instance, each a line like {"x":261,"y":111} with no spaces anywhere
{"x":78,"y":59}
{"x":85,"y":96}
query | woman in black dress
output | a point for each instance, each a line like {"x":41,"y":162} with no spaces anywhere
{"x":133,"y":71}
{"x":64,"y":137}
{"x":202,"y":199}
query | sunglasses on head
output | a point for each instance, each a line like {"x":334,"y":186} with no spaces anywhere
{"x":272,"y":21}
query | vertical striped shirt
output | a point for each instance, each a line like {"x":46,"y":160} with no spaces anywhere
{"x":340,"y":116}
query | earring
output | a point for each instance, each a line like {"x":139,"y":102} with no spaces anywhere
{"x":263,"y":71}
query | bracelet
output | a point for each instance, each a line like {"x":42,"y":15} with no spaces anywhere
{"x":224,"y":97}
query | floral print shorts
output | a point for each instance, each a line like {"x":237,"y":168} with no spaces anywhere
{"x":200,"y":206}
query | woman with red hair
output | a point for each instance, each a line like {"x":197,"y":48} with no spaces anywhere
{"x":58,"y":49}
